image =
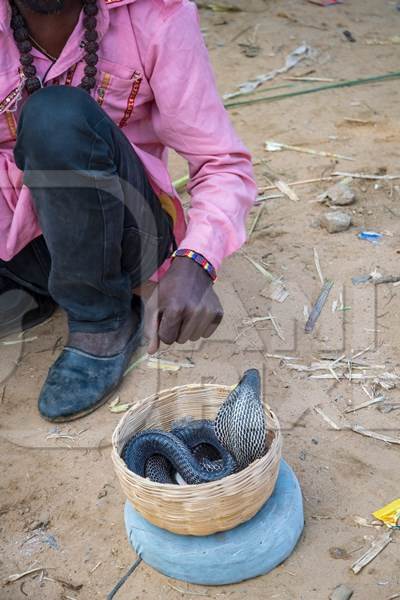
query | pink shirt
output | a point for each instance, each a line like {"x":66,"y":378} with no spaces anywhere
{"x":155,"y":81}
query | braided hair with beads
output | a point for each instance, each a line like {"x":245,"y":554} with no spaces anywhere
{"x":90,"y":43}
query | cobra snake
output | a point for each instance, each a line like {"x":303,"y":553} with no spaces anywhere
{"x":202,"y":451}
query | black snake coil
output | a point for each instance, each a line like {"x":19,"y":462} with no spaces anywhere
{"x":204,"y":451}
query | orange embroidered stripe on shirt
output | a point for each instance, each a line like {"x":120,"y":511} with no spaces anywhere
{"x":131,"y":100}
{"x":70,"y":75}
{"x":12,"y":124}
{"x":101,"y":92}
{"x":9,"y":99}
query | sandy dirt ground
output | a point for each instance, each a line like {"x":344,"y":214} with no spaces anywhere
{"x":61,"y":507}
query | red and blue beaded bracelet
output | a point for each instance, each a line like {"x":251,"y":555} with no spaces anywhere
{"x":199,"y":259}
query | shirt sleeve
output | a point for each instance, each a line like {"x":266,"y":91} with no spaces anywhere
{"x":18,"y":221}
{"x":189,"y":116}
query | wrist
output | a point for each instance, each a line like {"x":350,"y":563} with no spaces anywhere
{"x":196,"y":258}
{"x":188,"y":271}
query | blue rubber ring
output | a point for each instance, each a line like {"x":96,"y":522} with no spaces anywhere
{"x":251,"y":549}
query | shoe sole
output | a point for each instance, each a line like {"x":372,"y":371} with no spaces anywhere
{"x":83,"y":413}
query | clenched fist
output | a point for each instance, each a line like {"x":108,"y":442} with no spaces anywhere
{"x":182,"y":307}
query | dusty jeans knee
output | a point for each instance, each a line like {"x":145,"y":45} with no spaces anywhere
{"x":103,"y":226}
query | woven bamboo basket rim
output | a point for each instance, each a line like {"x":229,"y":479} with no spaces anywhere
{"x":180,"y":492}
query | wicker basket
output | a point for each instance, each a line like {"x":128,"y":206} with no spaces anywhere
{"x":194,"y":509}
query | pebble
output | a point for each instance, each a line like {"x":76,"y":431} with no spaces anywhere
{"x":342,"y":592}
{"x":340,"y":195}
{"x":41,"y":523}
{"x":339,"y":553}
{"x":315,"y":223}
{"x":334,"y":222}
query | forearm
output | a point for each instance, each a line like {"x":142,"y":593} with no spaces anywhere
{"x":189,"y":117}
{"x":223,"y":191}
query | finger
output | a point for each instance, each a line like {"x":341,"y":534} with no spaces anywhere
{"x":214,"y":324}
{"x":218,"y":315}
{"x":201,"y":324}
{"x":152,"y":319}
{"x":207,"y":327}
{"x":150,"y":314}
{"x":194,"y":324}
{"x":187,"y":330}
{"x":170,"y":326}
{"x":202,"y":327}
{"x":153,"y":344}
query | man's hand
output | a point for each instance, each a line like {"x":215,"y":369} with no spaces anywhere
{"x":183,"y":306}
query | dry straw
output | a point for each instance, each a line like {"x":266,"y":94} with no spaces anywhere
{"x":194,"y":509}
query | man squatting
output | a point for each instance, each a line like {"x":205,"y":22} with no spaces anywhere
{"x":92,"y":93}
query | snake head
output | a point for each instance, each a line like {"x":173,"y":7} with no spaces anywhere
{"x":240,"y":423}
{"x":251,"y":378}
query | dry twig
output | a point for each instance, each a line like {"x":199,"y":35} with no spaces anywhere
{"x":326,"y":418}
{"x":376,"y":548}
{"x":366,"y":176}
{"x":257,"y":218}
{"x":272,"y":146}
{"x":365,"y":404}
{"x":373,"y":434}
{"x":281,"y":185}
{"x":96,"y":567}
{"x":18,"y":576}
{"x":267,"y":274}
{"x":300,"y":182}
{"x":318,"y":266}
{"x":189,"y":592}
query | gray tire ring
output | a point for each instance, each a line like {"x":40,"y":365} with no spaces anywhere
{"x":251,"y":549}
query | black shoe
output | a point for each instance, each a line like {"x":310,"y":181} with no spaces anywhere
{"x":78,"y":382}
{"x":21,"y":309}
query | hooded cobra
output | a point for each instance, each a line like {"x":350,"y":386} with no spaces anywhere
{"x":204,"y":451}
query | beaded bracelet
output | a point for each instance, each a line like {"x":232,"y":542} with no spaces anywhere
{"x":199,"y":259}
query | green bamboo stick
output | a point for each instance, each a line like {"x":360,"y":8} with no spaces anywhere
{"x":180,"y":183}
{"x":263,"y":89}
{"x":321,"y":88}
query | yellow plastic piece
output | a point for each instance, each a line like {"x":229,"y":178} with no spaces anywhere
{"x":389,"y":514}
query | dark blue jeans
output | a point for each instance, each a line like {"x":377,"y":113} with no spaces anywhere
{"x":104,"y":230}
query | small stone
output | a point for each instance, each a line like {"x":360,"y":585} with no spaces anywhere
{"x":342,"y":592}
{"x":45,"y":519}
{"x":335,"y":222}
{"x":340,"y":195}
{"x":315,"y":223}
{"x":338,"y":553}
{"x":41,"y":523}
{"x":302,"y":455}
